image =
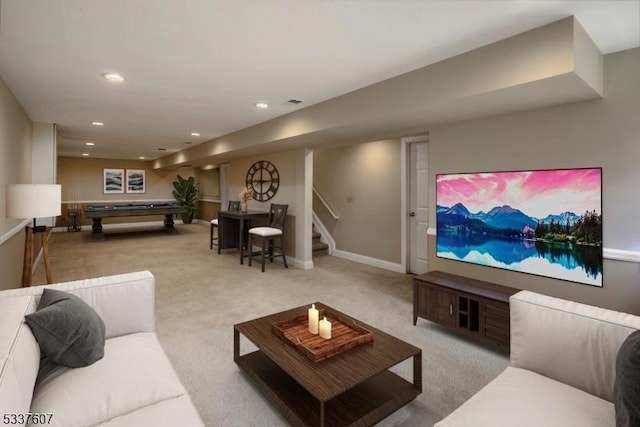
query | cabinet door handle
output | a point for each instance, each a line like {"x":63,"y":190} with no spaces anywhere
{"x":450,"y":309}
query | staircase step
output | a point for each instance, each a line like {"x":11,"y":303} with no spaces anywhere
{"x":316,"y":247}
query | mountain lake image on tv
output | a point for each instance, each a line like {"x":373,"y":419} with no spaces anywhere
{"x":542,"y":222}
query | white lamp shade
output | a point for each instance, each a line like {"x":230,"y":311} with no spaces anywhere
{"x":33,"y":200}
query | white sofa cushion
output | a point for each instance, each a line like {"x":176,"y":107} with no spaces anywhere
{"x":133,"y":374}
{"x":19,"y":355}
{"x":518,"y":397}
{"x":571,"y":342}
{"x":124,"y":301}
{"x":168,"y":413}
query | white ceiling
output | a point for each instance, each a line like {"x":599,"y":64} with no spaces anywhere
{"x":200,"y":65}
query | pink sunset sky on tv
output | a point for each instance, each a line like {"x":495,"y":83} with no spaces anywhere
{"x":535,"y":193}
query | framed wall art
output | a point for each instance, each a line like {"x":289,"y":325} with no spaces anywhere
{"x":542,"y":222}
{"x":113,"y":181}
{"x":136,"y":181}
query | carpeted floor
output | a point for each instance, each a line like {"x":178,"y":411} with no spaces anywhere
{"x":200,"y":295}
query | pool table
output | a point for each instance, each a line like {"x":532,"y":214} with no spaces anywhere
{"x":97,"y":212}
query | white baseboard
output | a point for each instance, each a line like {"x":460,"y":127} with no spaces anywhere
{"x":621,"y":255}
{"x":300,"y":264}
{"x":326,"y":236}
{"x":386,"y":265}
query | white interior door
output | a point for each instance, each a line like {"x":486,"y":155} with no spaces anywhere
{"x":418,"y":209}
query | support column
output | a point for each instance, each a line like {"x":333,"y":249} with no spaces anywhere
{"x":44,"y":159}
{"x":304,"y":206}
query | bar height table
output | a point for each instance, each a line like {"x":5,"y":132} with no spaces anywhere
{"x":233,"y":227}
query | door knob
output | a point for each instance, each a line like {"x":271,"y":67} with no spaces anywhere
{"x":412,"y":213}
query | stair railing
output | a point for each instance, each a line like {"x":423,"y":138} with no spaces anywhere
{"x":333,"y":214}
{"x":325,"y":236}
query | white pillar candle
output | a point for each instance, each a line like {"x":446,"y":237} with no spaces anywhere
{"x":325,"y":328}
{"x":314,"y":314}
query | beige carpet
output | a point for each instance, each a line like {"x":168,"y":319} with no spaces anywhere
{"x":201,"y":295}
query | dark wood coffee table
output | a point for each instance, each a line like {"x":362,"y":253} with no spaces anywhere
{"x":354,"y":388}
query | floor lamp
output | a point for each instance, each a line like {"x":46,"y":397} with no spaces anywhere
{"x":33,"y":201}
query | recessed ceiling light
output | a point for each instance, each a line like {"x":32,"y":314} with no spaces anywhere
{"x":261,"y":105}
{"x":187,"y":143}
{"x":97,"y":123}
{"x":195,"y":134}
{"x":85,"y":154}
{"x":162,"y":149}
{"x":113,"y":77}
{"x":90,"y":143}
{"x":294,"y":101}
{"x":141,"y":157}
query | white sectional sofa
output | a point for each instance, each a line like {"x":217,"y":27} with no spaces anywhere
{"x":562,"y":368}
{"x":134,"y":383}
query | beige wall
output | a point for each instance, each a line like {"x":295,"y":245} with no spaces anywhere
{"x":208,"y":210}
{"x":209,"y":203}
{"x":209,"y":183}
{"x":602,"y":133}
{"x":83,"y":178}
{"x":15,"y":168}
{"x":362,"y":185}
{"x":284,"y":161}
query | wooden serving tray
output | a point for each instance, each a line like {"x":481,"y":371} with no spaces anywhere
{"x":345,"y":334}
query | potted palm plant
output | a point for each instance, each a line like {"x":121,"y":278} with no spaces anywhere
{"x":185,"y":191}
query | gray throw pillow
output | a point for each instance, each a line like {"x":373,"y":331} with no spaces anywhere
{"x":626,"y":390}
{"x":69,"y":331}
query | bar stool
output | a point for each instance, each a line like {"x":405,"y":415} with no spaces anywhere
{"x":214,"y":224}
{"x":233,"y":206}
{"x":275,"y":230}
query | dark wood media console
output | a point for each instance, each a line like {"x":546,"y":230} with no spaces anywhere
{"x":476,"y":308}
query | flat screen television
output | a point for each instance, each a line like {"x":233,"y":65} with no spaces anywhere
{"x":542,"y":222}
